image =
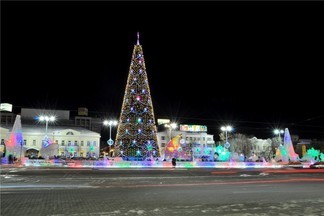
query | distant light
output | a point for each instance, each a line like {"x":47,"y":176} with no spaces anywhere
{"x":46,"y":118}
{"x":173,"y":125}
{"x":227,"y":128}
{"x":277,"y":131}
{"x":110,"y":122}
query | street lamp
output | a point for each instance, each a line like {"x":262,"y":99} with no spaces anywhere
{"x":110,"y":123}
{"x":46,"y":119}
{"x":21,"y":145}
{"x":171,"y":126}
{"x":226,"y":129}
{"x":278,"y":132}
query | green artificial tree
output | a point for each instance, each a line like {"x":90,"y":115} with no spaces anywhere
{"x":136,"y":132}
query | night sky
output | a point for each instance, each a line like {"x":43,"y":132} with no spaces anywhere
{"x":254,"y":65}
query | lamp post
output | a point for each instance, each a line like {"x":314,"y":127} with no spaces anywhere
{"x":110,"y":123}
{"x":46,"y":119}
{"x":21,"y":145}
{"x":171,"y":126}
{"x":278,"y":132}
{"x":226,"y":129}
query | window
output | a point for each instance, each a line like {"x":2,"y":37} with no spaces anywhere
{"x":162,"y":144}
{"x":76,"y":143}
{"x":81,"y":153}
{"x":196,"y":145}
{"x":25,"y":142}
{"x":203,"y":138}
{"x":81,"y":143}
{"x":94,"y":143}
{"x":62,"y":143}
{"x":2,"y":142}
{"x":56,"y":141}
{"x":34,"y":142}
{"x":88,"y":143}
{"x":162,"y":137}
{"x":69,"y":142}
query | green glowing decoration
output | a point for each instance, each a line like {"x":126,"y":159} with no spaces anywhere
{"x":71,"y":149}
{"x":219,"y":149}
{"x":91,"y":148}
{"x":149,"y":147}
{"x":313,"y":152}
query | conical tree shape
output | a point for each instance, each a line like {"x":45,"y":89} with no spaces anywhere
{"x":289,"y":146}
{"x":15,"y":142}
{"x":136,"y":133}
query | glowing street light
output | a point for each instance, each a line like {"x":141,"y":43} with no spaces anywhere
{"x":278,"y":132}
{"x":226,"y":129}
{"x":171,"y":127}
{"x":110,"y":123}
{"x":47,"y":119}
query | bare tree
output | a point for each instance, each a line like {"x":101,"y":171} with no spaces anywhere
{"x":240,"y":144}
{"x":275,"y":143}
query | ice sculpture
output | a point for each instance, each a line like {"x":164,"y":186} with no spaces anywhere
{"x":288,"y":146}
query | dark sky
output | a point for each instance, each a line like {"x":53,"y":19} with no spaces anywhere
{"x":255,"y":65}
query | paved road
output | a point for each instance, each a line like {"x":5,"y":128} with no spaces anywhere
{"x":64,"y":191}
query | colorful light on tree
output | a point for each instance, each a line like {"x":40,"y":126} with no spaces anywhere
{"x":136,"y":133}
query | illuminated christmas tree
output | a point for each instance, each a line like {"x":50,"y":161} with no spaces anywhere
{"x":136,"y":133}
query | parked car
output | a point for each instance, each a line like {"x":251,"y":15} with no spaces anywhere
{"x":317,"y":165}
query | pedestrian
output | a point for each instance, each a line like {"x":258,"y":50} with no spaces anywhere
{"x":10,"y":159}
{"x":174,"y":162}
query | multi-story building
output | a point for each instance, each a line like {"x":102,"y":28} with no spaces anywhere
{"x":72,"y":138}
{"x":70,"y":141}
{"x":193,"y":137}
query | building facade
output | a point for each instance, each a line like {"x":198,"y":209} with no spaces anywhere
{"x":70,"y":141}
{"x":199,"y":143}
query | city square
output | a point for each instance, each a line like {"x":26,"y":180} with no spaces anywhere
{"x":139,"y":108}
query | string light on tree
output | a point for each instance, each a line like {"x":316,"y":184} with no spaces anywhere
{"x":136,"y":133}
